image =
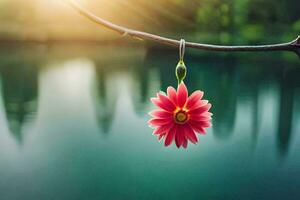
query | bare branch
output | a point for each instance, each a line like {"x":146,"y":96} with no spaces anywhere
{"x":289,"y":46}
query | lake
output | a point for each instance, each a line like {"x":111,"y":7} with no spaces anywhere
{"x":73,"y":124}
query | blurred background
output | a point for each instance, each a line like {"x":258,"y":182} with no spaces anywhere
{"x":74,"y":99}
{"x":218,"y":21}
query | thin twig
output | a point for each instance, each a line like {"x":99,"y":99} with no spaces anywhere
{"x":289,"y":46}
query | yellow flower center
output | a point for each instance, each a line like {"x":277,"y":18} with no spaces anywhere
{"x":180,"y":116}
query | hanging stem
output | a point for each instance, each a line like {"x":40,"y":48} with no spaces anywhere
{"x":293,"y":46}
{"x":180,"y":70}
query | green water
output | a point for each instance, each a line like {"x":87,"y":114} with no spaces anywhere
{"x":73,"y":125}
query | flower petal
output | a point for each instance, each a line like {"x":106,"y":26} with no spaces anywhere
{"x":162,"y":136}
{"x":190,"y":134}
{"x":194,"y":99}
{"x":158,"y":122}
{"x":185,"y":143}
{"x":163,"y":129}
{"x":204,"y":124}
{"x":172,"y":94}
{"x":167,"y":102}
{"x":160,"y":104}
{"x":197,"y":127}
{"x":182,"y":95}
{"x":179,"y":136}
{"x":200,"y":110}
{"x":199,"y":104}
{"x":161,"y":114}
{"x":170,"y":136}
{"x":201,"y":117}
{"x":206,"y":115}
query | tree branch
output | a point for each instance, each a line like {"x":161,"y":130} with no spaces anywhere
{"x":289,"y":46}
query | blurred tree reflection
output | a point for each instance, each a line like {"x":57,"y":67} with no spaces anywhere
{"x":289,"y":82}
{"x":250,"y":83}
{"x":149,"y":78}
{"x":218,"y":79}
{"x":225,"y":79}
{"x":140,"y":87}
{"x":107,"y":99}
{"x":20,"y":95}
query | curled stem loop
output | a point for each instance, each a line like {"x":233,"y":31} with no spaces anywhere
{"x":181,"y":49}
{"x":181,"y":68}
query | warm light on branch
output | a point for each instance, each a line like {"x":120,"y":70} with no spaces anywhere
{"x":293,"y":46}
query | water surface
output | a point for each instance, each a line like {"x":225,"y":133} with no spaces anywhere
{"x":73,"y":125}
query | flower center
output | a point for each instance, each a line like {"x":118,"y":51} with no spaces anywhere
{"x":180,"y":117}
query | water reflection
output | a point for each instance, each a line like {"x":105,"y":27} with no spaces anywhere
{"x":106,"y":98}
{"x":145,"y":82}
{"x":19,"y":91}
{"x":254,"y":78}
{"x":228,"y":82}
{"x":289,"y":83}
{"x":81,"y":115}
{"x":220,"y":79}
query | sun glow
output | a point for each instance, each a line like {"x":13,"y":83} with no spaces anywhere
{"x":45,"y":20}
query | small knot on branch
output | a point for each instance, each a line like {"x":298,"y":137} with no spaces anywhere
{"x":124,"y":34}
{"x":296,"y":42}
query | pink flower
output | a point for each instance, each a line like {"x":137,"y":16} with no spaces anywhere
{"x":180,"y":117}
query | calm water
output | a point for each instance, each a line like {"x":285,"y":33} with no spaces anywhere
{"x":73,"y":125}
